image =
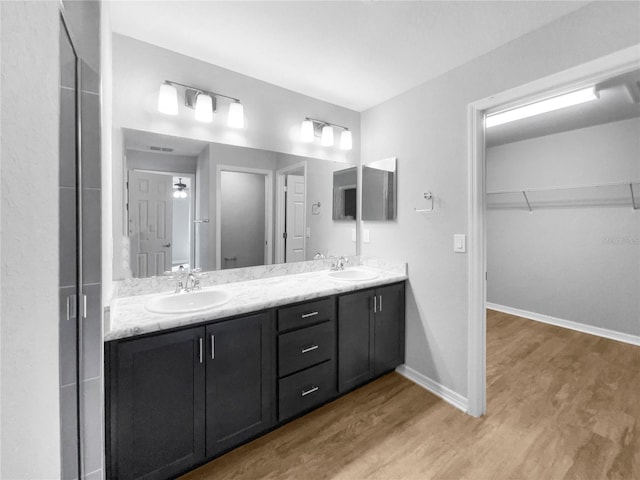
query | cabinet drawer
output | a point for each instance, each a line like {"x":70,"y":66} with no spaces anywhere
{"x":305,"y":314}
{"x":306,"y":347}
{"x":307,"y":389}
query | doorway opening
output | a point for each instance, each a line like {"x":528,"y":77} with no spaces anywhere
{"x":244,"y":212}
{"x":576,"y":78}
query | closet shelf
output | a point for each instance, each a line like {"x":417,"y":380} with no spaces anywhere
{"x":600,"y":194}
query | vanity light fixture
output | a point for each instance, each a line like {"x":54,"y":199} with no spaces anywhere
{"x":202,"y":101}
{"x":179,"y":189}
{"x":543,"y":106}
{"x":312,"y":127}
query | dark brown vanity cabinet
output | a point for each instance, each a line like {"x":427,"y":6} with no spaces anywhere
{"x":178,"y":398}
{"x":306,"y":356}
{"x":370,"y":334}
{"x":240,"y":381}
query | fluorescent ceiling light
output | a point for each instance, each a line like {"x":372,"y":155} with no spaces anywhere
{"x":543,"y":106}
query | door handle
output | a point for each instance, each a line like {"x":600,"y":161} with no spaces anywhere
{"x":309,"y":391}
{"x":166,"y":245}
{"x":310,"y":349}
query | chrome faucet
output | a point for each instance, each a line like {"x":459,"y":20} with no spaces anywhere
{"x":192,"y":283}
{"x":338,"y":264}
{"x":179,"y":284}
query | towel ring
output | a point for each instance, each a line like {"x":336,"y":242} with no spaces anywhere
{"x":427,"y":196}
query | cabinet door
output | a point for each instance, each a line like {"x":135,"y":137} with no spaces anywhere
{"x":240,"y":380}
{"x":159,"y":405}
{"x":355,"y":339}
{"x":389,"y":328}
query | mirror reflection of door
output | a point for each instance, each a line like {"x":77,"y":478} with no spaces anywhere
{"x":242,"y":222}
{"x":150,"y":222}
{"x":295,"y":219}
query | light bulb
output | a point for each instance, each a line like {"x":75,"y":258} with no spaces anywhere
{"x":306,"y":131}
{"x":204,"y":108}
{"x":176,"y":194}
{"x":236,"y":115}
{"x":327,"y":136}
{"x":346,"y":142}
{"x":168,"y":99}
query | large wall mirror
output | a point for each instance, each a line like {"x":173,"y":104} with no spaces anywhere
{"x":215,"y":206}
{"x":379,"y":189}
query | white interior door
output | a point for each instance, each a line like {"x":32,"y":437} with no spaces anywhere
{"x":295,"y":219}
{"x":150,"y":222}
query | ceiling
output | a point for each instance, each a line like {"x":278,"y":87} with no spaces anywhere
{"x":355,"y":54}
{"x":150,"y":142}
{"x":619,"y":99}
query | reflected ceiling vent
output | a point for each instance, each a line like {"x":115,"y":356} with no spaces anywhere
{"x":160,"y":149}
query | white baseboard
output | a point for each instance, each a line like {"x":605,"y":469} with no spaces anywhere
{"x":434,"y":387}
{"x":559,"y":322}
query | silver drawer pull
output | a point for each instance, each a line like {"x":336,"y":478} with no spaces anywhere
{"x":311,"y":390}
{"x":310,"y":349}
{"x":310,"y":314}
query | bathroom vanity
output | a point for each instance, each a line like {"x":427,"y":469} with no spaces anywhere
{"x":184,"y":389}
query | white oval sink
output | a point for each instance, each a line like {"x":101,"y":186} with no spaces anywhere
{"x":353,"y":275}
{"x":190,"y":302}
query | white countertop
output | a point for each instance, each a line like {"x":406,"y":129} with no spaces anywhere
{"x":130,"y":318}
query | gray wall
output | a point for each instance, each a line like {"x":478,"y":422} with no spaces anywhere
{"x":426,"y":129}
{"x":576,"y":262}
{"x":243,"y":221}
{"x":328,"y":236}
{"x":29,"y":364}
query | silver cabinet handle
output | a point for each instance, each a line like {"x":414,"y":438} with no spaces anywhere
{"x":213,"y":347}
{"x":84,"y":306}
{"x":200,"y":347}
{"x":310,"y":349}
{"x":310,"y":314}
{"x":375,"y":304}
{"x":311,"y":390}
{"x":380,"y":302}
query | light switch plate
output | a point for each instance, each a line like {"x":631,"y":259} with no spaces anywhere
{"x":365,"y":236}
{"x":459,"y":243}
{"x":353,"y":235}
{"x":308,"y":232}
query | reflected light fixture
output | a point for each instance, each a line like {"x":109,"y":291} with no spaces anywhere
{"x":202,"y":101}
{"x":312,"y":127}
{"x":179,"y":189}
{"x":543,"y":106}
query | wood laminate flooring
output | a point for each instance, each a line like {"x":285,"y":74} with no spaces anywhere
{"x":561,"y":405}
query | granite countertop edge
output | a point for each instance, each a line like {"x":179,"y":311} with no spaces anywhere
{"x":129,"y":318}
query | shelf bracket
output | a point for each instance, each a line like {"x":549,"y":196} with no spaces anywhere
{"x":526,"y":199}
{"x":633,"y":198}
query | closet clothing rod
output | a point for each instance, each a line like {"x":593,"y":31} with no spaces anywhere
{"x":565,"y":187}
